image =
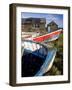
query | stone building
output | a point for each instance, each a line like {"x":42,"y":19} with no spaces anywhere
{"x":52,"y":26}
{"x":33,"y":25}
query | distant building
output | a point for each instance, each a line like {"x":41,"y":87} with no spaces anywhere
{"x":33,"y":24}
{"x":52,"y":26}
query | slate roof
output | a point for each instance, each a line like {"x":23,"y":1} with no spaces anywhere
{"x":33,"y":20}
{"x":52,"y":23}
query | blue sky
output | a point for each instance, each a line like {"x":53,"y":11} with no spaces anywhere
{"x":58,"y":18}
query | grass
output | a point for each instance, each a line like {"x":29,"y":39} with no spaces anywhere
{"x":57,"y":68}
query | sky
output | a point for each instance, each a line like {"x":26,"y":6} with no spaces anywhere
{"x":57,"y":18}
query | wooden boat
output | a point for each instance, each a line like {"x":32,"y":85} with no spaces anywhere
{"x":36,"y":58}
{"x":46,"y":37}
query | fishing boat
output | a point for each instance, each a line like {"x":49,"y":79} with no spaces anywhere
{"x":37,"y":59}
{"x":43,"y":38}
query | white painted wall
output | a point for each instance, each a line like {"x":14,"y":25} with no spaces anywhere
{"x":4,"y":45}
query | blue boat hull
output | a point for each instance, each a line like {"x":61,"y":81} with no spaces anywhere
{"x":38,"y":61}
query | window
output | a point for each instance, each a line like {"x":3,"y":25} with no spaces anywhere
{"x":36,"y":25}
